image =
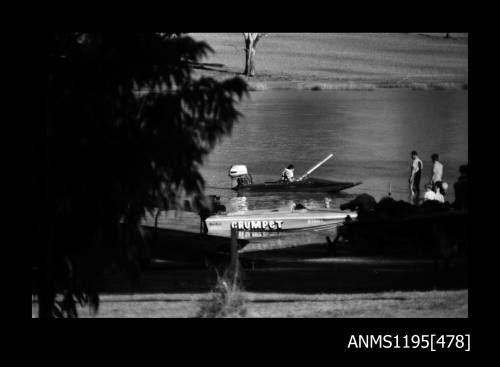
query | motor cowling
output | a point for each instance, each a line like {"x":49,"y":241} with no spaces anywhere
{"x":239,"y":175}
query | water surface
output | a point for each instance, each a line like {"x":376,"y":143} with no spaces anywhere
{"x":370,"y":133}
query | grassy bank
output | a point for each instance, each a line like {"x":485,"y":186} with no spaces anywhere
{"x":298,"y":282}
{"x":386,"y":304}
{"x":337,"y":61}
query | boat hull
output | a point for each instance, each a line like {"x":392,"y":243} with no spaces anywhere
{"x":306,"y":185}
{"x":176,"y":235}
{"x":264,"y":222}
{"x":173,"y":244}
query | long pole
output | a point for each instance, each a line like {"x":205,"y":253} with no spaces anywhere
{"x":314,"y":168}
{"x":234,"y":257}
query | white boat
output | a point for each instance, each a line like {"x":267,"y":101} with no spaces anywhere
{"x":262,"y":222}
{"x":176,"y":235}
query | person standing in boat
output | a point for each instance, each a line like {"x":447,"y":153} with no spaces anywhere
{"x":287,"y":174}
{"x":437,"y":172}
{"x":415,"y":175}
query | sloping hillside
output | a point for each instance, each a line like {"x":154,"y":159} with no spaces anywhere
{"x":343,"y":60}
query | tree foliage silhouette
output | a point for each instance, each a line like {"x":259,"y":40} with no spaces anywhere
{"x":124,"y":127}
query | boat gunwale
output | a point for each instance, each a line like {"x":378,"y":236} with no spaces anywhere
{"x":323,"y":215}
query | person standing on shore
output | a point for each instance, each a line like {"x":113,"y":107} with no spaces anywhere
{"x":437,"y":172}
{"x":415,"y":175}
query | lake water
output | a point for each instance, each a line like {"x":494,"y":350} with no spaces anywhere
{"x":369,"y":133}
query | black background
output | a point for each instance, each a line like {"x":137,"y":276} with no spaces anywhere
{"x":264,"y":341}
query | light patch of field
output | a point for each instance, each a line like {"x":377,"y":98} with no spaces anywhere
{"x":439,"y":304}
{"x":344,"y":61}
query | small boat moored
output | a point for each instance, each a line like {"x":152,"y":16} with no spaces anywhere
{"x":307,"y":185}
{"x":241,"y":180}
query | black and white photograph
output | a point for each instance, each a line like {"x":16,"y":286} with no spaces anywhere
{"x":252,"y":175}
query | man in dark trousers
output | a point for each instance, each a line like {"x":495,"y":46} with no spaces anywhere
{"x":437,"y":172}
{"x":415,"y":175}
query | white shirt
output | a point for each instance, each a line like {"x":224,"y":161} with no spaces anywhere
{"x":437,"y":172}
{"x":417,"y":165}
{"x":439,"y":197}
{"x":288,"y":173}
{"x":430,"y":195}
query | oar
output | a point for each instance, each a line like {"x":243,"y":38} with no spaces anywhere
{"x":314,"y":168}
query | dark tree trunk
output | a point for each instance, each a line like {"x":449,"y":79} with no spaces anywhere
{"x":246,"y":61}
{"x":46,"y":288}
{"x":45,"y":300}
{"x":46,"y":226}
{"x":45,"y":291}
{"x":250,"y":61}
{"x":251,"y":40}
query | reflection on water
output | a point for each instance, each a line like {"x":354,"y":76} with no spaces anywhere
{"x":263,"y":200}
{"x":370,"y":134}
{"x":284,"y":240}
{"x":238,"y":203}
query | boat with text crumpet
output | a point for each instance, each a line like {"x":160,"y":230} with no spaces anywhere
{"x":255,"y":223}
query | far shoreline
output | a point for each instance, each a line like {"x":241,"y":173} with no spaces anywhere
{"x":343,"y":86}
{"x":354,"y":86}
{"x":268,"y":81}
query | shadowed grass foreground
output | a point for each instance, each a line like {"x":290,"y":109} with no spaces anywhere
{"x":299,"y":282}
{"x":226,"y":300}
{"x":386,"y":304}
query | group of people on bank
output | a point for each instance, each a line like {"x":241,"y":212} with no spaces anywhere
{"x":434,"y":197}
{"x":435,"y":189}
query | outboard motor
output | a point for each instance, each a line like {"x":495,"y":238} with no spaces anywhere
{"x":239,"y":175}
